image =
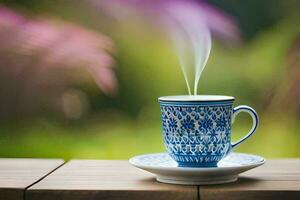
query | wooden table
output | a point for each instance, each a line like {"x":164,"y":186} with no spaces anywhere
{"x":16,"y":175}
{"x":39,"y":179}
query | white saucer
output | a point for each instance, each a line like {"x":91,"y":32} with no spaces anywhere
{"x":167,"y":170}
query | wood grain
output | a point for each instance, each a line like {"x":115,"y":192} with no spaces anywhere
{"x":95,"y":179}
{"x":277,"y":179}
{"x":18,"y":174}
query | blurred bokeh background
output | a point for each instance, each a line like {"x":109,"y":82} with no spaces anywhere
{"x":80,"y":79}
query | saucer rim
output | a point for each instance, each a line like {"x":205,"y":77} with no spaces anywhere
{"x":131,"y":161}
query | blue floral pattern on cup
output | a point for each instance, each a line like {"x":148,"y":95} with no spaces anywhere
{"x":189,"y":131}
{"x":198,"y":134}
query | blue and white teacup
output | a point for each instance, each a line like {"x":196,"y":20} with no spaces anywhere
{"x":197,"y":129}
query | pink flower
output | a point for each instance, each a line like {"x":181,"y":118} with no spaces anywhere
{"x":41,"y":60}
{"x":58,"y":44}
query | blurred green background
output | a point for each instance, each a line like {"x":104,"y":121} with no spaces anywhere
{"x":71,"y":116}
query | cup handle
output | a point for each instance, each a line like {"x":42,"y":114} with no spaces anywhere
{"x":254,"y":116}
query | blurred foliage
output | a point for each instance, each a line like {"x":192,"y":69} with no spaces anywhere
{"x":43,"y":138}
{"x":257,"y":15}
{"x":127,"y":124}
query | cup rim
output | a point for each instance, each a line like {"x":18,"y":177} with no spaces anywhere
{"x":195,"y":98}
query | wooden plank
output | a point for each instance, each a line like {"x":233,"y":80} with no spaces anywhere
{"x":18,"y":174}
{"x":95,"y":179}
{"x":277,"y":179}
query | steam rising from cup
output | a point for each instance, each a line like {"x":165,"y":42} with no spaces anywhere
{"x":191,"y":38}
{"x":188,"y":23}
